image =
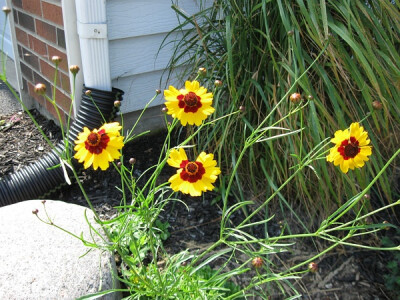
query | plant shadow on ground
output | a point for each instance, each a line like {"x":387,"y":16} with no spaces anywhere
{"x":344,"y":273}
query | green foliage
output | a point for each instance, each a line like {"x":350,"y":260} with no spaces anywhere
{"x":180,"y":282}
{"x":258,"y":49}
{"x":392,"y":279}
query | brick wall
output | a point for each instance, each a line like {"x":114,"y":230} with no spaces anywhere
{"x":40,"y":35}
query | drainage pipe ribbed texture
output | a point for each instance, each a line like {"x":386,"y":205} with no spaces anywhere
{"x":38,"y":179}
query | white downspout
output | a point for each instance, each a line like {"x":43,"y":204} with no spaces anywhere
{"x":92,"y":31}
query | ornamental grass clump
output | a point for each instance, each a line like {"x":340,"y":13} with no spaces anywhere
{"x":259,"y":49}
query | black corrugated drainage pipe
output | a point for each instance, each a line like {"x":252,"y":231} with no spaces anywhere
{"x":38,"y":179}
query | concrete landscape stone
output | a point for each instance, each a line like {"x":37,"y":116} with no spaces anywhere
{"x":40,"y":261}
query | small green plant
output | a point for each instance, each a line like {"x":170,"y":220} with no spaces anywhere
{"x":392,"y":279}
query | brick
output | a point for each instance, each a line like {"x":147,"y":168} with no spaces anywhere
{"x":20,"y":54}
{"x":64,"y":82}
{"x":26,"y":71}
{"x":39,"y":98}
{"x":38,"y":46}
{"x":15,"y":14}
{"x":46,"y":30}
{"x":61,"y":38}
{"x":62,"y":100}
{"x":45,"y":103}
{"x":25,"y":85}
{"x":32,"y":6}
{"x":37,"y":78}
{"x":30,"y":58}
{"x":47,"y":70}
{"x":26,"y":21}
{"x":52,"y":13}
{"x":53,"y":51}
{"x":51,"y":109}
{"x":17,"y":3}
{"x":22,"y":36}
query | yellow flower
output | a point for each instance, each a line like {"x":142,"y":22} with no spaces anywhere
{"x":351,"y":149}
{"x":193,"y":177}
{"x":99,"y":146}
{"x":190,"y":105}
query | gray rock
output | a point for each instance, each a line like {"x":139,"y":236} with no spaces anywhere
{"x":40,"y":261}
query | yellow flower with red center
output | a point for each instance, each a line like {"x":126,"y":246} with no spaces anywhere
{"x":99,"y":146}
{"x":191,"y":105}
{"x":193,"y":177}
{"x":351,"y":150}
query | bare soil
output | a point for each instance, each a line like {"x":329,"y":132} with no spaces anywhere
{"x":344,"y":273}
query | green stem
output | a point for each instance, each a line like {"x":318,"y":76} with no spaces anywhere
{"x":362,"y":217}
{"x":209,"y":249}
{"x":364,"y":191}
{"x":72,"y":97}
{"x":50,"y":222}
{"x":3,"y":56}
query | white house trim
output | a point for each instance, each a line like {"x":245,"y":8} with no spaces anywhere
{"x":72,"y":47}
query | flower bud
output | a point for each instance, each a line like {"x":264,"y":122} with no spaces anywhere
{"x":56,"y":59}
{"x":310,"y":97}
{"x":117,"y":103}
{"x":218,"y":83}
{"x":257,"y":262}
{"x":386,"y":227}
{"x":164,"y":109}
{"x":35,"y":211}
{"x":158,"y":92}
{"x":88,"y":93}
{"x":74,"y":69}
{"x":290,"y":32}
{"x":242,"y":108}
{"x":6,"y":10}
{"x":43,"y":202}
{"x":377,"y":105}
{"x":202,"y":71}
{"x":40,"y":89}
{"x":367,"y":196}
{"x":132,"y":161}
{"x":119,"y":164}
{"x":295,"y":98}
{"x":313,"y":267}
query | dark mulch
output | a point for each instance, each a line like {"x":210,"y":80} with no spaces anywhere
{"x":21,"y":142}
{"x":345,"y":273}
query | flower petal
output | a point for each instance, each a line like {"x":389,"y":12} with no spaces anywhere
{"x":351,"y":150}
{"x":103,"y":152}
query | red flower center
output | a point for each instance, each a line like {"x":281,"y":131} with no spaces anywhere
{"x":192,"y":171}
{"x":93,"y":138}
{"x":191,"y":168}
{"x":349,"y":148}
{"x":97,"y":141}
{"x":189,"y":102}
